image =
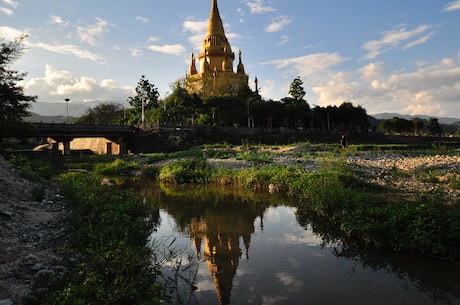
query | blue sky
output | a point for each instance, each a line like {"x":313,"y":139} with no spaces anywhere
{"x":387,"y":56}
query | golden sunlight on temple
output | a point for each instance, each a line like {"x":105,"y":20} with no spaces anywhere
{"x":216,"y":76}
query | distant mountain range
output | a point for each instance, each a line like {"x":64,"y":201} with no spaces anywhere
{"x":38,"y":118}
{"x":441,"y":120}
{"x":75,"y":109}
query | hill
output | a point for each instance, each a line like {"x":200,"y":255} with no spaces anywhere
{"x":38,"y":118}
{"x":441,"y":120}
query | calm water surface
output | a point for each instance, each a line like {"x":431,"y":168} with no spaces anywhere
{"x":251,"y":248}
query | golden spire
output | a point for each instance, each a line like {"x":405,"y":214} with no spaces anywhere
{"x":193,"y":69}
{"x":215,"y":26}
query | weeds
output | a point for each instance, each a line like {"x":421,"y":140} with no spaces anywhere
{"x":185,"y":171}
{"x":118,"y":166}
{"x":108,"y":233}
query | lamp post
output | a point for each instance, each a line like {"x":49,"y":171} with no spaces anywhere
{"x":249,"y":117}
{"x":145,"y":101}
{"x":67,"y":100}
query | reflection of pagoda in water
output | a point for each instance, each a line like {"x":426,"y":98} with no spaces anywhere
{"x":222,"y":233}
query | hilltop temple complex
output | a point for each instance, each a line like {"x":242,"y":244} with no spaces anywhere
{"x":216,"y":76}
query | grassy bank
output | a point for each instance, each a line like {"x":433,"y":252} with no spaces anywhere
{"x":108,"y":233}
{"x":424,"y":225}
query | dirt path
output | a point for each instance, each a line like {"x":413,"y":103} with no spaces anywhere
{"x":30,"y":234}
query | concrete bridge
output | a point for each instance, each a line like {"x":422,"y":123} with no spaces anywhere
{"x":65,"y":133}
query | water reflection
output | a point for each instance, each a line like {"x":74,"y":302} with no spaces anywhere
{"x":251,"y":249}
{"x":219,"y":222}
{"x":438,"y":279}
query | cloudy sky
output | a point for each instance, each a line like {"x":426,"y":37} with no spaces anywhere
{"x":387,"y":56}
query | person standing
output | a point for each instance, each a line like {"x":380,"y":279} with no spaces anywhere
{"x":343,"y":141}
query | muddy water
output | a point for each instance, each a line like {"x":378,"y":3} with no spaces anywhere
{"x":243,"y":248}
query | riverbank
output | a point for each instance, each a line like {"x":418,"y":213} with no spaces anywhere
{"x":31,"y":230}
{"x":407,"y":173}
{"x":31,"y":233}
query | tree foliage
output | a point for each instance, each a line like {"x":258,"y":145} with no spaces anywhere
{"x":245,"y":109}
{"x":296,"y":90}
{"x":180,"y":107}
{"x":14,"y":103}
{"x":415,"y":126}
{"x":103,"y":114}
{"x":147,"y":95}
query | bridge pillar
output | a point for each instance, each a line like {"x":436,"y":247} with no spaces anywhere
{"x":54,"y":151}
{"x":123,"y":148}
{"x":108,"y":148}
{"x":66,"y":145}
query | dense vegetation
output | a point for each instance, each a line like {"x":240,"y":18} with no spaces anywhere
{"x":14,"y":103}
{"x":108,"y":233}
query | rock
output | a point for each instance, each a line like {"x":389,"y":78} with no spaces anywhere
{"x":6,"y":302}
{"x":5,"y":214}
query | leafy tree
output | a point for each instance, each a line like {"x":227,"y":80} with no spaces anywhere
{"x":387,"y":126}
{"x":295,"y":107}
{"x":351,"y":118}
{"x":103,"y":114}
{"x":296,"y":90}
{"x":434,"y":127}
{"x":14,"y":104}
{"x":418,"y":125}
{"x":267,"y":113}
{"x":402,"y":125}
{"x":180,"y":107}
{"x":147,"y":95}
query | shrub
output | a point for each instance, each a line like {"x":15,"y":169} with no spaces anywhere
{"x":186,"y":171}
{"x":118,"y":166}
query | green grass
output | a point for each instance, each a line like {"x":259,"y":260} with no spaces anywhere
{"x":108,"y":232}
{"x":185,"y":171}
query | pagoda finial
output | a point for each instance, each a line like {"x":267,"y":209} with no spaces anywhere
{"x":240,"y":67}
{"x":193,"y":69}
{"x":215,"y":26}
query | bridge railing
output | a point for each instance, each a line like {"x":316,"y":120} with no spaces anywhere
{"x":83,"y":127}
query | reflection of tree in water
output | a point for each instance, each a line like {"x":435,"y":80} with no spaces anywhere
{"x":217,"y":220}
{"x":438,"y":279}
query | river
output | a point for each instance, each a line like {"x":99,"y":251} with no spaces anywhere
{"x":240,"y":247}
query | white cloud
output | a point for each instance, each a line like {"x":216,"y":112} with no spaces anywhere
{"x":137,"y":52}
{"x":172,"y":49}
{"x":278,"y":24}
{"x":421,"y":91}
{"x":258,"y":7}
{"x":420,"y":40}
{"x":392,"y":39}
{"x":55,"y":85}
{"x":11,"y":33}
{"x":197,"y":30}
{"x":452,"y":6}
{"x":11,"y":3}
{"x":142,"y":19}
{"x":418,"y":92}
{"x":153,"y":39}
{"x":308,"y":64}
{"x":6,"y":11}
{"x":69,"y":49}
{"x":90,"y":33}
{"x":284,"y":40}
{"x":57,"y":20}
{"x":371,"y":71}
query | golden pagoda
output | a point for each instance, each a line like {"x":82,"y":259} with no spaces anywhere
{"x":216,"y":76}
